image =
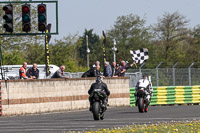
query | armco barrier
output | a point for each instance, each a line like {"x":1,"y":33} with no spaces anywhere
{"x":171,"y":95}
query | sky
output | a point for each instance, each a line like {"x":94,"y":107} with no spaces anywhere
{"x":77,"y":15}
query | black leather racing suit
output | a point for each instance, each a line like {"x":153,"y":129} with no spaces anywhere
{"x":105,"y":92}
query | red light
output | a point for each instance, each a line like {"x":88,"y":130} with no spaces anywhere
{"x":7,"y":9}
{"x":25,"y":9}
{"x":42,"y":27}
{"x":26,"y":27}
{"x":41,"y":9}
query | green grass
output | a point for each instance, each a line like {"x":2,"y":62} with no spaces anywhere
{"x":169,"y":127}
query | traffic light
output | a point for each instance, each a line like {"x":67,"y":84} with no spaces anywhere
{"x":8,"y":17}
{"x":26,"y":19}
{"x":42,"y":18}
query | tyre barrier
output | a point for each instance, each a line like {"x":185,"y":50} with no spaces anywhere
{"x":166,"y":95}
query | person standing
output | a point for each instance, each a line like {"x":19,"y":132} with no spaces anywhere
{"x":93,"y":72}
{"x":113,"y":67}
{"x":117,"y":71}
{"x":22,"y":71}
{"x":60,"y":73}
{"x":124,"y":67}
{"x":107,"y":70}
{"x":33,"y":72}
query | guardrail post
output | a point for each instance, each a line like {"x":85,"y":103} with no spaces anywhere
{"x":157,"y":79}
{"x":173,"y":69}
{"x":189,"y":73}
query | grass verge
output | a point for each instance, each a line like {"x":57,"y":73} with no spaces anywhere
{"x":168,"y":127}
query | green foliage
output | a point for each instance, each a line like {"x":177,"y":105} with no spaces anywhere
{"x":94,"y":46}
{"x":65,"y":52}
{"x":171,"y":33}
{"x":12,"y":58}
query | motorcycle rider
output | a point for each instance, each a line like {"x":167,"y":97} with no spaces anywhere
{"x":144,"y":83}
{"x":99,"y":84}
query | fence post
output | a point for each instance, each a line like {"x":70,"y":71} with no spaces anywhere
{"x":157,"y":79}
{"x":189,"y":73}
{"x":173,"y":69}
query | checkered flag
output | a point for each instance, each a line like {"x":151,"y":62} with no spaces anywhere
{"x":139,"y":56}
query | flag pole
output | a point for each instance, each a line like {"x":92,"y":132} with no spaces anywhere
{"x":104,"y":49}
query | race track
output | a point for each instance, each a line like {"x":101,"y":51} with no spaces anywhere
{"x":83,"y":120}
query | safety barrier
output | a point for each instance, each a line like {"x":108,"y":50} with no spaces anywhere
{"x":20,"y":97}
{"x":171,"y":95}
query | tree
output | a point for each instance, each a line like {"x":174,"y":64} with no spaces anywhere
{"x":171,"y":33}
{"x":94,"y":46}
{"x":193,"y":49}
{"x":65,"y":52}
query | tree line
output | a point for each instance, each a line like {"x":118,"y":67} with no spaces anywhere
{"x":170,"y":40}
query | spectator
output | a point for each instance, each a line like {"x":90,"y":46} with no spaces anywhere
{"x":117,"y":71}
{"x":95,"y":64}
{"x":22,"y":71}
{"x":113,"y":67}
{"x":33,"y":72}
{"x":60,"y":73}
{"x":124,"y":67}
{"x":93,"y":72}
{"x":107,"y":70}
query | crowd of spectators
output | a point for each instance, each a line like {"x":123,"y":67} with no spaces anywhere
{"x":114,"y":70}
{"x":33,"y":72}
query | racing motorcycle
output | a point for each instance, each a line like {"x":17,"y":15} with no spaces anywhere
{"x":142,"y":101}
{"x":98,"y":108}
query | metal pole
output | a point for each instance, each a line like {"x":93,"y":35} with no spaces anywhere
{"x":87,"y":51}
{"x":157,"y":79}
{"x":140,"y":69}
{"x":2,"y":78}
{"x":114,"y":51}
{"x":57,"y":17}
{"x":189,"y":73}
{"x":173,"y":69}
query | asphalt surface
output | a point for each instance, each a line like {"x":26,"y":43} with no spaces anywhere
{"x":83,"y":120}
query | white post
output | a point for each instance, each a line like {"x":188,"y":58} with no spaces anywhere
{"x":87,"y":50}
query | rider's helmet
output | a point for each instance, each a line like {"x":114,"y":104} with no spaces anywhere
{"x":99,"y":79}
{"x":144,"y":76}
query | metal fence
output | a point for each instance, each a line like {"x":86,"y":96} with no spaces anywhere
{"x":161,"y":76}
{"x":170,"y":76}
{"x":173,"y":77}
